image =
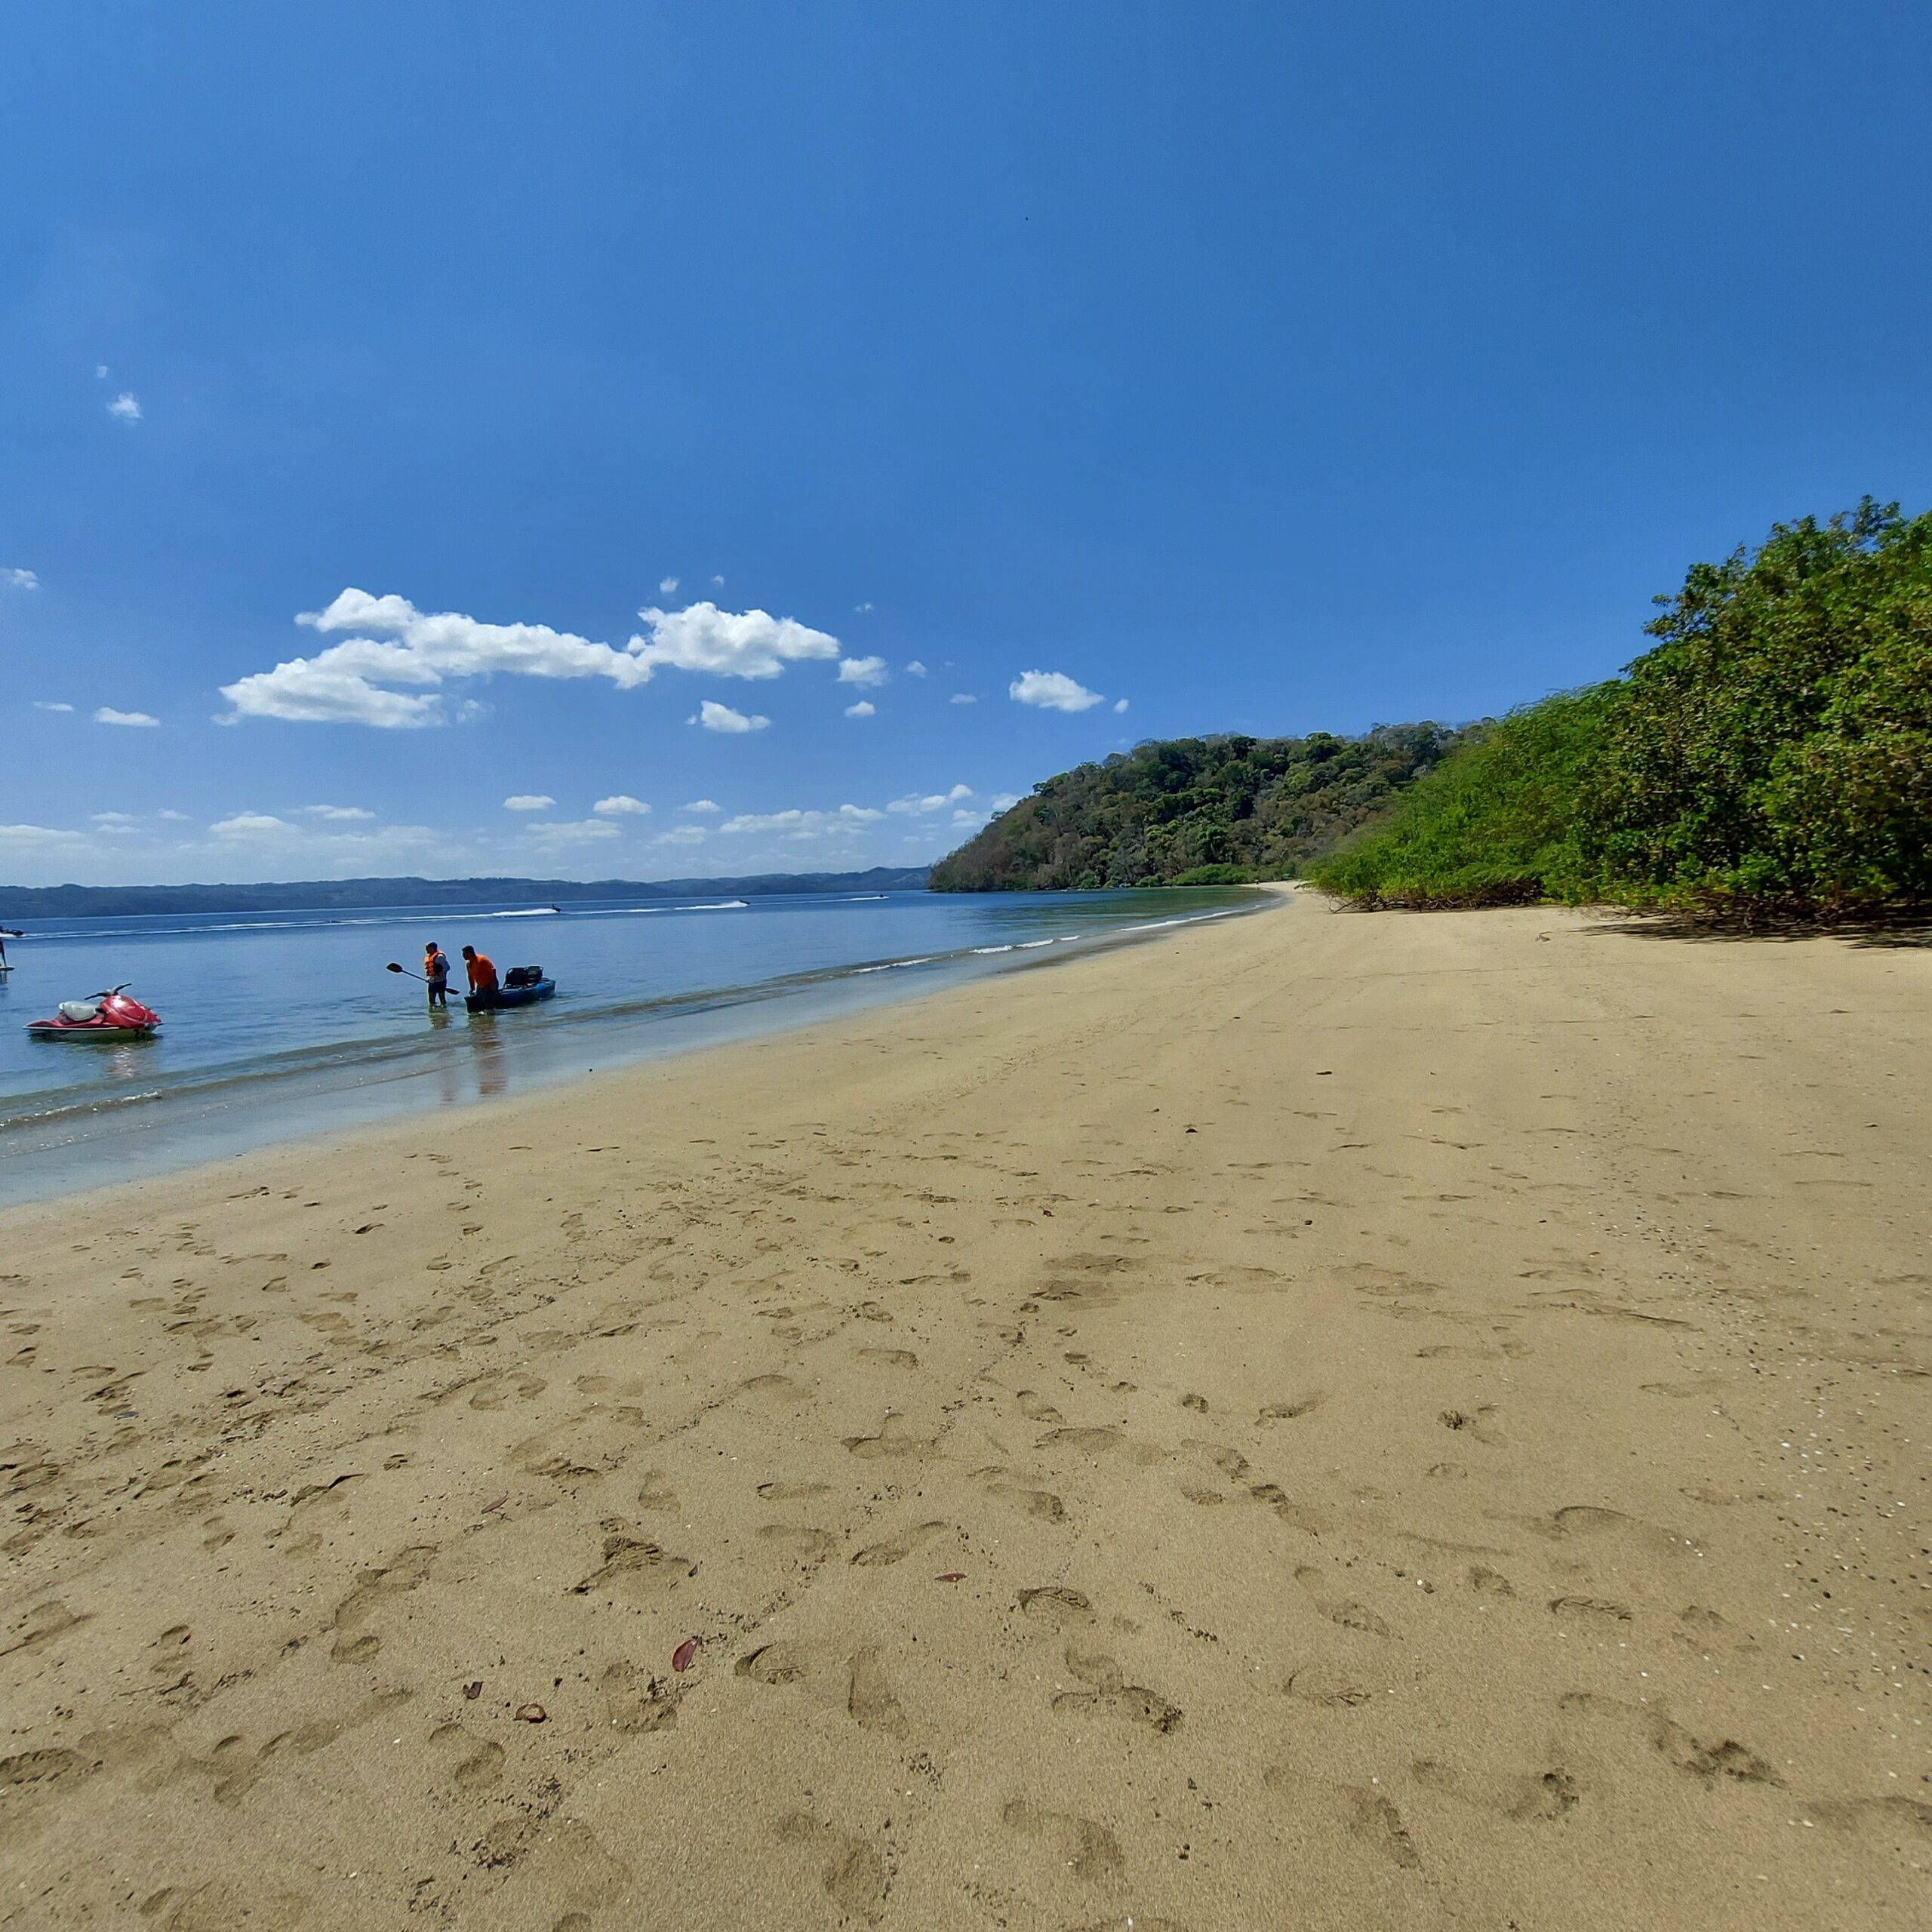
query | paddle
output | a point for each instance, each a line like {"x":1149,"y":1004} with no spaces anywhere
{"x":407,"y":974}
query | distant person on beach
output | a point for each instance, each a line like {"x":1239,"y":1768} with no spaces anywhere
{"x":6,"y":933}
{"x":482,"y":970}
{"x":436,"y":973}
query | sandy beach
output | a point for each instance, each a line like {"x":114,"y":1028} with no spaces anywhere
{"x":1321,"y":1420}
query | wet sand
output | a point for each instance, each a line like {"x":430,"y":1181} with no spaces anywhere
{"x":1320,"y":1421}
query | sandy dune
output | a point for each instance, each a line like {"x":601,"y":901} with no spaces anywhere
{"x":1320,"y":1421}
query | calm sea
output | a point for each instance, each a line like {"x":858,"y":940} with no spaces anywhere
{"x":279,"y":1024}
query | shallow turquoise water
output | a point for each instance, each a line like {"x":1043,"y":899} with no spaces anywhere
{"x":280,"y":1024}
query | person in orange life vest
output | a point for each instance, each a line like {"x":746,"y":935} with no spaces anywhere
{"x":436,"y":971}
{"x":482,"y":970}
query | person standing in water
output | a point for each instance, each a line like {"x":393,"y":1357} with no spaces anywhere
{"x":436,"y":973}
{"x":482,"y":970}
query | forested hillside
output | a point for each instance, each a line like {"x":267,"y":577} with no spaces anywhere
{"x":1194,"y":810}
{"x":1771,"y":758}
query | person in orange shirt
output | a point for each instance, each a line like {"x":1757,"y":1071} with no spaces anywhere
{"x":481,"y":969}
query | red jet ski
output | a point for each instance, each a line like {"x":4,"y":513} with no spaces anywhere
{"x":108,"y":1016}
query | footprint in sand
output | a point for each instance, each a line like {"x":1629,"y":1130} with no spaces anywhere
{"x":1087,"y":1850}
{"x":793,"y":1492}
{"x":1293,"y":1410}
{"x":407,"y":1570}
{"x":1041,"y":1504}
{"x":635,"y":1701}
{"x":807,"y":1547}
{"x":1529,"y":1798}
{"x":854,"y":1875}
{"x":897,"y":1437}
{"x":1360,"y":1811}
{"x":896,"y":1549}
{"x":1327,"y":1685}
{"x":868,"y":1698}
{"x":1058,"y":1607}
{"x":1345,"y":1612}
{"x":634,"y":1570}
{"x":1705,"y":1761}
{"x":1110,"y":1695}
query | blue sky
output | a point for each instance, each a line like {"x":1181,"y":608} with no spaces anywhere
{"x":1256,"y":367}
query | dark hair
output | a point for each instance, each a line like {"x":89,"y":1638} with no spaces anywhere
{"x":469,"y":952}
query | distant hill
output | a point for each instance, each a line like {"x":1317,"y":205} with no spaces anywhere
{"x":83,"y":901}
{"x":1194,"y":810}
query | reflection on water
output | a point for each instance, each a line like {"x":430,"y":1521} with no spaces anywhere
{"x":487,"y":1055}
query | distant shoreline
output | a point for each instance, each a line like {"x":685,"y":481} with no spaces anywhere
{"x":82,"y":902}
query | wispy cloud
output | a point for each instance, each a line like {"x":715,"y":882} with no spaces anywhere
{"x":932,"y":801}
{"x":116,"y":821}
{"x":1119,"y":705}
{"x":716,"y":717}
{"x":862,"y":709}
{"x":863,"y":671}
{"x":33,"y":838}
{"x":529,"y":801}
{"x":14,"y":578}
{"x":337,"y":814}
{"x":1052,"y":690}
{"x":915,"y":669}
{"x":620,"y":804}
{"x":682,"y":835}
{"x":124,"y":408}
{"x":962,"y":697}
{"x":701,"y":805}
{"x":51,"y":704}
{"x":804,"y":824}
{"x":107,"y":715}
{"x":252,"y":825}
{"x":862,"y":608}
{"x":553,"y":834}
{"x":666,"y":586}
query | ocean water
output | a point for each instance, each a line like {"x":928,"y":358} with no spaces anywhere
{"x":279,"y":1024}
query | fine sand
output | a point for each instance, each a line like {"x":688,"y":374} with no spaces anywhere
{"x":1316,"y":1421}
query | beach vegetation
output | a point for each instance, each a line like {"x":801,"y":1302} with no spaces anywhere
{"x":1769,"y":758}
{"x":1227,"y":810}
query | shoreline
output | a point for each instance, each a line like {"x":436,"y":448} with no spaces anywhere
{"x":199,"y":1117}
{"x":1344,"y":1420}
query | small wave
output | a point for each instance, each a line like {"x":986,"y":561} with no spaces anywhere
{"x":894,"y":965}
{"x":98,"y":1103}
{"x":531,"y":912}
{"x":859,"y":898}
{"x":723,"y":905}
{"x":993,"y":949}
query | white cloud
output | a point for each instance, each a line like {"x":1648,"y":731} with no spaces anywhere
{"x":620,"y":804}
{"x":915,"y":669}
{"x":116,"y":821}
{"x":394,"y":644}
{"x":803,"y":824}
{"x":550,"y":835}
{"x":337,"y":814}
{"x":962,"y":697}
{"x":251,"y":825}
{"x":107,"y":715}
{"x":528,"y":802}
{"x":719,"y":582}
{"x":862,"y":709}
{"x":46,"y":704}
{"x":700,"y":805}
{"x":174,"y":818}
{"x":346,"y":683}
{"x":1052,"y":690}
{"x":1119,"y":705}
{"x":666,"y":586}
{"x":716,"y":717}
{"x":932,"y":802}
{"x":862,"y":671}
{"x":862,"y":608}
{"x":124,"y":408}
{"x":726,"y":644}
{"x":682,"y":835}
{"x":41,"y":839}
{"x":100,"y":372}
{"x":16,"y":579}
{"x":1005,"y":802}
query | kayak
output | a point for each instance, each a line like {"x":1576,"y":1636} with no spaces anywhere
{"x":510,"y":996}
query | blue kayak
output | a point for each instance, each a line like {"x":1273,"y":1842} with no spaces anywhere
{"x":507,"y":995}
